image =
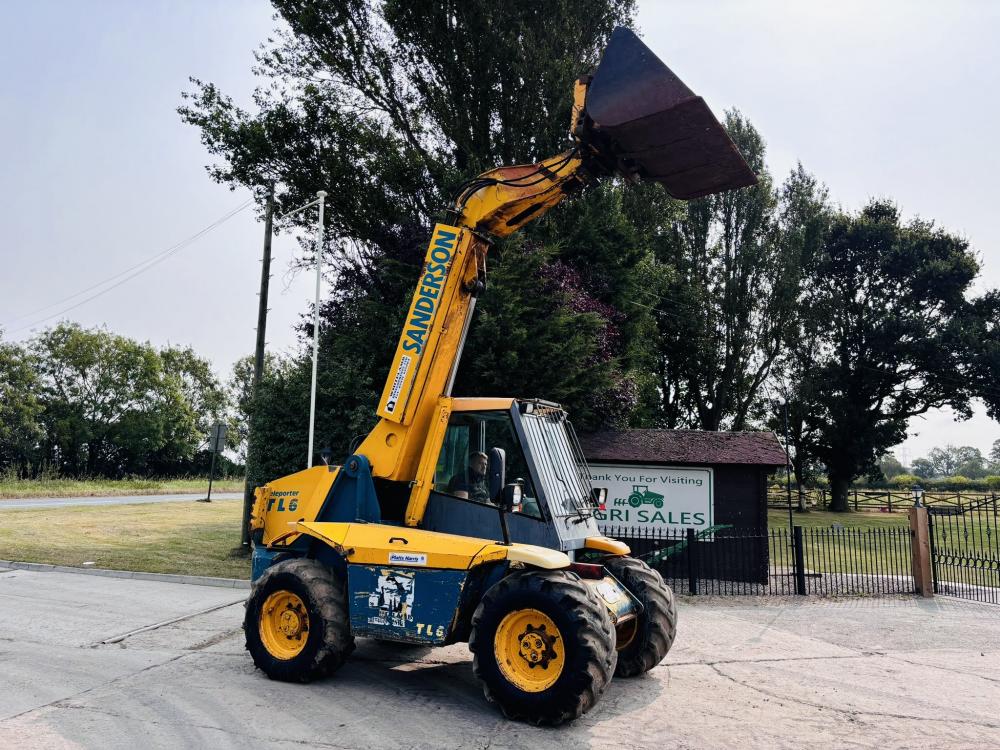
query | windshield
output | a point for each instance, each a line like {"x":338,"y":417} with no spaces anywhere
{"x":559,"y":461}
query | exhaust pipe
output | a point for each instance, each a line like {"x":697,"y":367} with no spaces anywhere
{"x":641,"y":121}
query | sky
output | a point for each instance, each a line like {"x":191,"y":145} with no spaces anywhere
{"x":894,"y":99}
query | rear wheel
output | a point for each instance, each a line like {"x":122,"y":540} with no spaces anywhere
{"x":297,"y":625}
{"x":650,"y":636}
{"x":543,"y":646}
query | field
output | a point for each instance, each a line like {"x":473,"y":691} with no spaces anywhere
{"x":24,"y":488}
{"x":188,"y":538}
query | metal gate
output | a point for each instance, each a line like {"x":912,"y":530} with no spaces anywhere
{"x":965,"y":550}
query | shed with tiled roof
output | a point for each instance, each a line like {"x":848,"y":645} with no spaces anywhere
{"x":685,"y":447}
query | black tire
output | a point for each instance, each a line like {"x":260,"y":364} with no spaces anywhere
{"x":329,"y":640}
{"x":657,"y":624}
{"x":587,"y":633}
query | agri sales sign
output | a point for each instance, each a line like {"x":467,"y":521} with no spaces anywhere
{"x":654,"y":497}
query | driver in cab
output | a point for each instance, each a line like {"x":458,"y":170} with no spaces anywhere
{"x":471,"y":484}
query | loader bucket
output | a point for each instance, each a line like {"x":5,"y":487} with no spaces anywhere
{"x":656,"y":127}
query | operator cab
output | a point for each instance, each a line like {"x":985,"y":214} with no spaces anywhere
{"x":538,"y":447}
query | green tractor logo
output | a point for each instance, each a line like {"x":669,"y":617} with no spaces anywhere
{"x":642,"y":496}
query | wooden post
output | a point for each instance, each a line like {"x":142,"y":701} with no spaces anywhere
{"x":920,"y":552}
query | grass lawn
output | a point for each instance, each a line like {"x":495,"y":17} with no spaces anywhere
{"x":869,"y":543}
{"x":20,"y":488}
{"x":189,"y":538}
{"x":777,"y":519}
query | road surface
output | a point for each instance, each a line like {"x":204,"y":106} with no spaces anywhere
{"x":90,"y":662}
{"x":60,"y":502}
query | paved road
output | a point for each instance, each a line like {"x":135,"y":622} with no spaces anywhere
{"x":59,"y":502}
{"x":79,"y":671}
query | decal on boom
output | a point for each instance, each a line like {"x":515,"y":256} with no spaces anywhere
{"x":418,"y":330}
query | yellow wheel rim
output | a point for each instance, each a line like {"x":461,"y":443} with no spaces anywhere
{"x":284,"y":625}
{"x":529,"y":649}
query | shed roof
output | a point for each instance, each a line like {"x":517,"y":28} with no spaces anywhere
{"x":684,"y":446}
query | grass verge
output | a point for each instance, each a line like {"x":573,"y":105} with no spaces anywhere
{"x":25,"y":488}
{"x":191,"y":539}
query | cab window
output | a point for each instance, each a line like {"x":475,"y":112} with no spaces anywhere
{"x":461,"y":466}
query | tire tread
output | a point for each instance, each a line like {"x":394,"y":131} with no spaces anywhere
{"x":658,"y":623}
{"x":594,"y":633}
{"x":328,"y":594}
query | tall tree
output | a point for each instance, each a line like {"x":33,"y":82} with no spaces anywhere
{"x":113,"y":406}
{"x":99,"y":394}
{"x":885,"y":301}
{"x":951,"y":460}
{"x":944,"y":460}
{"x":923,"y":468}
{"x":389,"y":106}
{"x":20,"y":410}
{"x":971,"y":462}
{"x":890,"y":466}
{"x":980,"y":339}
{"x":197,"y":401}
{"x":727,"y":296}
{"x":239,"y":397}
{"x":802,"y":433}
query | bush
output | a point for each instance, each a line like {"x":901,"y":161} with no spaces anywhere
{"x":955,"y":483}
{"x":905,"y":481}
{"x":992,"y":481}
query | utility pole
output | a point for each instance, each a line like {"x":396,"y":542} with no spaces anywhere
{"x":258,"y":367}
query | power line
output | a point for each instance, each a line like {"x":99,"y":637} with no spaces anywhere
{"x":123,"y":276}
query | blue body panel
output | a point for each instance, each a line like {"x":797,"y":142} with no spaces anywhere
{"x":261,"y":560}
{"x":404,"y":604}
{"x":453,"y":515}
{"x":352,"y":496}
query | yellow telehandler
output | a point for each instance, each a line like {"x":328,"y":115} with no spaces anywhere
{"x":472,"y":519}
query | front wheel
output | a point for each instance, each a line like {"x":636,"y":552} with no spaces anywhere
{"x":297,"y":624}
{"x":643,"y":644}
{"x":543,"y":646}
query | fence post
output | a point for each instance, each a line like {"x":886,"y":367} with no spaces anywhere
{"x":799,"y":561}
{"x":920,"y":552}
{"x":692,"y":547}
{"x":934,"y":565}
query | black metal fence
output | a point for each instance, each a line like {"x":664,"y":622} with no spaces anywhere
{"x":965,"y":550}
{"x":819,"y":561}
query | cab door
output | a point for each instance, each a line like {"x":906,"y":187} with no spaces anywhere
{"x":455,"y":502}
